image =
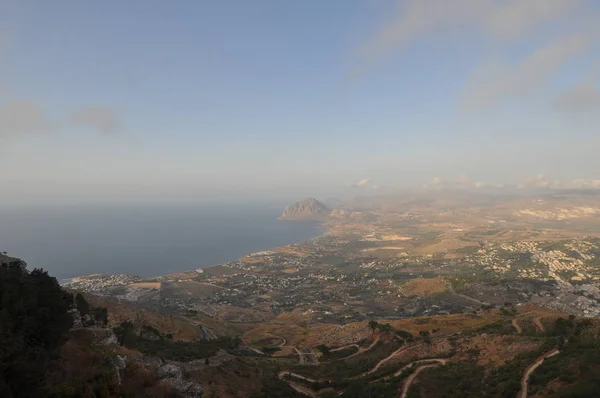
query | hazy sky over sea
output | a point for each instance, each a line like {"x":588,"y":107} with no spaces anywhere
{"x":112,"y":101}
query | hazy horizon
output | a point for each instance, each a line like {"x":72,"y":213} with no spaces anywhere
{"x":109,"y":102}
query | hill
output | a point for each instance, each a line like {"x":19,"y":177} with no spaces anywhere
{"x":307,"y":209}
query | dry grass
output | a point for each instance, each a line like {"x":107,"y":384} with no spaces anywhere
{"x":395,"y":237}
{"x":145,"y":285}
{"x":424,"y":287}
{"x":446,"y":245}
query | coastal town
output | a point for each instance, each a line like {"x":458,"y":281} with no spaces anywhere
{"x":337,"y":280}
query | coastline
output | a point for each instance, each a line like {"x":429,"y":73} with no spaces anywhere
{"x":323,"y":228}
{"x":321,"y":225}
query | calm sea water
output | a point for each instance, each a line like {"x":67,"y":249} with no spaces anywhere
{"x":144,"y":240}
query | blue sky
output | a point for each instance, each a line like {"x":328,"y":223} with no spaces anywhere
{"x":190,"y":101}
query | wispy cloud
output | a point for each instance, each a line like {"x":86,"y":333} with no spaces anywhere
{"x":502,"y":20}
{"x":583,"y":97}
{"x":98,"y":118}
{"x":496,"y":81}
{"x":27,"y":117}
{"x":506,"y":24}
{"x":18,"y":118}
{"x":578,"y":99}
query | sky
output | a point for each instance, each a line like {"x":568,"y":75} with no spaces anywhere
{"x":136,"y":101}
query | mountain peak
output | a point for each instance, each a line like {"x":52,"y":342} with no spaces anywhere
{"x":307,"y":209}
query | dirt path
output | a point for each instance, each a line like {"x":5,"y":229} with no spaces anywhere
{"x":538,"y":324}
{"x":516,"y":326}
{"x":310,"y":392}
{"x":384,"y":360}
{"x":302,"y":389}
{"x":361,"y":350}
{"x":299,"y":376}
{"x":256,"y":351}
{"x":302,"y":356}
{"x":529,"y":371}
{"x":440,"y":361}
{"x":344,"y":347}
{"x":414,"y":374}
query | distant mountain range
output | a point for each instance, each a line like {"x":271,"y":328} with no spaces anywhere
{"x":307,"y":209}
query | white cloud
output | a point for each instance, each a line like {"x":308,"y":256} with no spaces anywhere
{"x":17,"y":118}
{"x":436,"y":181}
{"x":463,"y":181}
{"x":365,"y":183}
{"x":543,"y":181}
{"x":539,"y":181}
{"x":99,"y":118}
{"x":586,"y":184}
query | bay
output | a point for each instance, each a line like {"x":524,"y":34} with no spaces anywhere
{"x":145,"y":240}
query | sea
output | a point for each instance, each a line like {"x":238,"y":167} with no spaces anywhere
{"x":145,"y":240}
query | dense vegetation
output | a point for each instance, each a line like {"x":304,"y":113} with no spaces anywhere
{"x":577,"y":367}
{"x":34,"y":322}
{"x":40,"y":356}
{"x":151,"y":342}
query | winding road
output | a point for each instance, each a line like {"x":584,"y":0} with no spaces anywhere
{"x":384,"y":360}
{"x":414,"y":374}
{"x":361,"y":350}
{"x":427,"y":364}
{"x":530,"y":369}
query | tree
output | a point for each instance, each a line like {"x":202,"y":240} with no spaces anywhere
{"x":34,"y":323}
{"x":81,"y":304}
{"x":373,"y":325}
{"x":125,"y":332}
{"x":425,"y":335}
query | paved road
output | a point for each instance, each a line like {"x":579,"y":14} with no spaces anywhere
{"x":530,"y":369}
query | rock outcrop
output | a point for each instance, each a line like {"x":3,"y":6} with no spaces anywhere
{"x":6,"y":260}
